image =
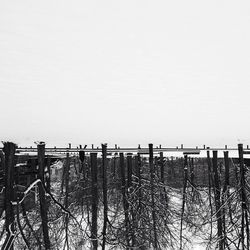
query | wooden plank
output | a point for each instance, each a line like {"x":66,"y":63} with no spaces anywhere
{"x":192,"y":152}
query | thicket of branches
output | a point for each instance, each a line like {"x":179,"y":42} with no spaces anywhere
{"x":129,"y":202}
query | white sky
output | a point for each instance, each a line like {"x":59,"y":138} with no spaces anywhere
{"x":125,"y":72}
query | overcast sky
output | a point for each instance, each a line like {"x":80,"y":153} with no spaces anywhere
{"x":125,"y":72}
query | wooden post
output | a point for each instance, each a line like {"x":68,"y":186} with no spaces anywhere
{"x":164,"y":195}
{"x":2,"y":181}
{"x":94,"y":203}
{"x":217,"y":194}
{"x":152,"y":170}
{"x":226,"y":192}
{"x":156,"y":168}
{"x":129,"y":192}
{"x":173,"y":175}
{"x":138,"y":173}
{"x":210,"y":181}
{"x":192,"y":173}
{"x":204,"y":175}
{"x":162,"y":167}
{"x":43,"y":201}
{"x":242,"y":184}
{"x":129,"y":172}
{"x":105,"y":198}
{"x":9,"y":151}
{"x":125,"y":202}
{"x":66,"y":201}
{"x":226,"y":161}
{"x":244,"y":211}
{"x":114,"y":167}
{"x":82,"y":158}
{"x":184,"y":196}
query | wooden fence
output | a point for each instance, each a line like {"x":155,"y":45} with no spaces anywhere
{"x":122,"y":197}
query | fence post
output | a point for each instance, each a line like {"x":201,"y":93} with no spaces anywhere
{"x":93,"y":163}
{"x":82,"y":158}
{"x":162,"y":167}
{"x":129,"y":194}
{"x":129,"y":171}
{"x":114,"y":167}
{"x":152,"y":170}
{"x":209,"y":165}
{"x":41,"y":187}
{"x":105,"y":198}
{"x":226,"y":161}
{"x":217,"y":194}
{"x":191,"y":161}
{"x":173,"y":175}
{"x":66,"y":176}
{"x":2,"y":181}
{"x":226,"y":194}
{"x":66,"y":201}
{"x":138,"y":173}
{"x":164,"y":195}
{"x":125,"y":202}
{"x":184,"y":196}
{"x":9,"y":151}
{"x":244,"y":215}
